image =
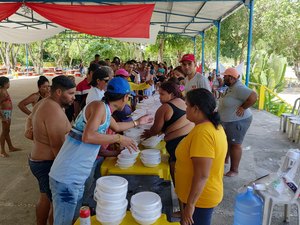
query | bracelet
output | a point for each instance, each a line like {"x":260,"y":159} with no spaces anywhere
{"x":134,"y":123}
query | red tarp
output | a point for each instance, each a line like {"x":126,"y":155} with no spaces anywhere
{"x":123,"y":21}
{"x":7,"y":9}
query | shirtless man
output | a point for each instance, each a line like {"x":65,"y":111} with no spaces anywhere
{"x":49,"y":127}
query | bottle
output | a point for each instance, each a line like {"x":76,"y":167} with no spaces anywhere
{"x":248,"y":208}
{"x":85,"y":215}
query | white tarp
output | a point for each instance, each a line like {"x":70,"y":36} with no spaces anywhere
{"x":23,"y":36}
{"x":154,"y":29}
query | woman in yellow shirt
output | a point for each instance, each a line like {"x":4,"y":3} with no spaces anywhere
{"x":200,"y":161}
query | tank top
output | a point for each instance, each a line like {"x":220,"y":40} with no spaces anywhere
{"x":75,"y":159}
{"x":177,"y":114}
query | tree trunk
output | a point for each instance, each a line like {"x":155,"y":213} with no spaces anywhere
{"x":161,"y":50}
{"x":243,"y":52}
{"x":297,"y":69}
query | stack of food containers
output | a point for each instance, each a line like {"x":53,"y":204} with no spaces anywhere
{"x":146,"y":207}
{"x":126,"y":159}
{"x":110,"y":195}
{"x":151,"y":157}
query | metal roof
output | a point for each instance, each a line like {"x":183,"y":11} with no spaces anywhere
{"x":175,"y":17}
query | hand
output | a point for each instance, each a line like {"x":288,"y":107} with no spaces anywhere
{"x":128,"y":143}
{"x":145,"y":119}
{"x":187,"y":215}
{"x":146,"y":134}
{"x":240,"y":111}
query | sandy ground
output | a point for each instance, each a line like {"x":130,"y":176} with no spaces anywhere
{"x":263,"y":147}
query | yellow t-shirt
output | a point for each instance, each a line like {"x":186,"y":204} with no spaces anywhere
{"x":208,"y":142}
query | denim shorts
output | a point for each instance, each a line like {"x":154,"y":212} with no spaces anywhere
{"x":67,"y":200}
{"x":40,"y":169}
{"x":202,"y":216}
{"x":236,"y":130}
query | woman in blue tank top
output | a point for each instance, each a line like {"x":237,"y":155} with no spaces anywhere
{"x":74,"y":162}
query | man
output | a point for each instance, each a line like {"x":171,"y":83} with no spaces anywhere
{"x":82,"y":90}
{"x":49,"y":127}
{"x":97,"y":58}
{"x":236,"y":116}
{"x":193,"y":79}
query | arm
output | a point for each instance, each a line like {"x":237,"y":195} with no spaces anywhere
{"x":121,"y":126}
{"x":248,"y":103}
{"x":202,"y":168}
{"x":96,"y":116}
{"x":29,"y":100}
{"x":158,"y":122}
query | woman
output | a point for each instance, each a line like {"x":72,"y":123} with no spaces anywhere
{"x":6,"y":113}
{"x":236,"y":116}
{"x":200,"y":160}
{"x":44,"y":91}
{"x":170,"y":119}
{"x":74,"y":162}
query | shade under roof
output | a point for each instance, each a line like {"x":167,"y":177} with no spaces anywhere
{"x":176,"y":17}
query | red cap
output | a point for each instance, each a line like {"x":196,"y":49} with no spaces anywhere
{"x":84,"y":212}
{"x":188,"y":57}
{"x":231,"y":72}
{"x":122,"y":72}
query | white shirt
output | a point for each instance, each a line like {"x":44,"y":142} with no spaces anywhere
{"x":198,"y":81}
{"x":95,"y":94}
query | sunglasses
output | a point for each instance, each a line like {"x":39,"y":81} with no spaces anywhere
{"x":105,"y":80}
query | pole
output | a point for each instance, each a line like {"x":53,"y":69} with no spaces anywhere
{"x":251,"y":7}
{"x":203,"y":46}
{"x":218,"y":25}
{"x":194,"y":40}
{"x":26,"y":48}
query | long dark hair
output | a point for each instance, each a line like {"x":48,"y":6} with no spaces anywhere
{"x":41,"y":81}
{"x":111,"y":97}
{"x":172,"y":88}
{"x":205,"y":102}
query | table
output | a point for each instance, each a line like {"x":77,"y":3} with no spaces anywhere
{"x":109,"y":167}
{"x":128,"y":220}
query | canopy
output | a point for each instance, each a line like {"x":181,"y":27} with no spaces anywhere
{"x":131,"y":20}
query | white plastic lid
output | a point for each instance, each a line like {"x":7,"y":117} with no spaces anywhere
{"x":150,"y":152}
{"x":112,"y":182}
{"x":145,"y":200}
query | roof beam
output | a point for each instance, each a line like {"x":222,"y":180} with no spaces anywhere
{"x":157,"y":22}
{"x":181,"y":28}
{"x":183,"y":15}
{"x":201,"y":7}
{"x":35,"y":20}
{"x":20,"y":23}
{"x":136,"y":1}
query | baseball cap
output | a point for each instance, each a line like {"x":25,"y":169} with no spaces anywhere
{"x":99,"y":74}
{"x":231,"y":72}
{"x":118,"y":85}
{"x":122,"y":72}
{"x":188,"y":57}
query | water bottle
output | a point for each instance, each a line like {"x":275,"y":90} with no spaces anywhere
{"x":248,"y":208}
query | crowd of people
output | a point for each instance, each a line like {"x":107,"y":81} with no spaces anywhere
{"x":203,"y":126}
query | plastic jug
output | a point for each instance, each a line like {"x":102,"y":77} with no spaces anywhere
{"x":248,"y":208}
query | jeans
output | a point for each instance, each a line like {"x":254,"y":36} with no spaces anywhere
{"x":202,"y":216}
{"x":67,"y":200}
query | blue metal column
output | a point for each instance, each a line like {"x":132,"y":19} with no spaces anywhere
{"x":26,"y":48}
{"x":218,"y":25}
{"x":251,"y":7}
{"x":194,"y":39}
{"x":203,"y":46}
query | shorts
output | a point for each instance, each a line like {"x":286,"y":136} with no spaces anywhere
{"x":236,"y":130}
{"x":171,"y":147}
{"x":40,"y":169}
{"x":6,"y":114}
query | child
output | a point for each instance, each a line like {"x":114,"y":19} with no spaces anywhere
{"x":5,"y":113}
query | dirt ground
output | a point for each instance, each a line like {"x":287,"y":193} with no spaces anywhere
{"x":263,"y":147}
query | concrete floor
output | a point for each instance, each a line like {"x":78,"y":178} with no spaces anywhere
{"x":264,"y":145}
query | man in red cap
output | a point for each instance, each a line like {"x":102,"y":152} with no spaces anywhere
{"x":193,"y":79}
